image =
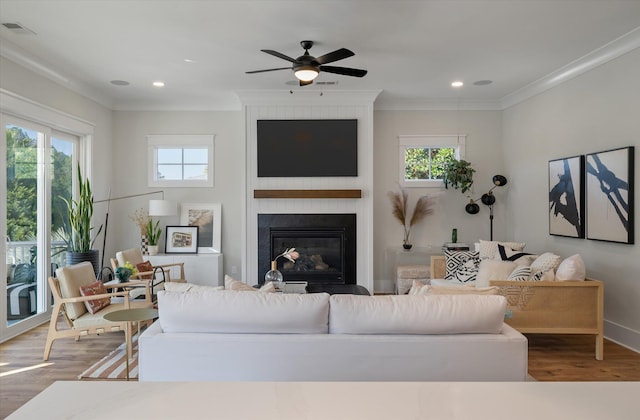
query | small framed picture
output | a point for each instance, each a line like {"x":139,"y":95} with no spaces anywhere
{"x":207,"y":217}
{"x":181,"y":240}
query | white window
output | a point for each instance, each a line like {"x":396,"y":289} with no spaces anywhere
{"x":422,"y":157}
{"x":180,"y":160}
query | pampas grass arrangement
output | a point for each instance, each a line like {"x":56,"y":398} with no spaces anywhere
{"x":423,"y":208}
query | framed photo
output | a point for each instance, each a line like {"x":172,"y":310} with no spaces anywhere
{"x":610,"y":176}
{"x":566,"y":197}
{"x":181,"y":240}
{"x":207,"y":218}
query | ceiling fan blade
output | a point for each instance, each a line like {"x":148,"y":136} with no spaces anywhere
{"x":303,"y":83}
{"x":334,"y":56}
{"x":346,"y":71}
{"x":280,"y":55}
{"x":262,"y":71}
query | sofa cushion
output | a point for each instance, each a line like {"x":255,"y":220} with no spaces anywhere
{"x":230,"y":311}
{"x":416,"y":314}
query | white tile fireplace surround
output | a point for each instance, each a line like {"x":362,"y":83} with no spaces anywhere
{"x":309,"y":104}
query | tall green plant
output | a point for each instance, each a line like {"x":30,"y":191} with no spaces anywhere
{"x":80,"y":213}
{"x":153,"y":232}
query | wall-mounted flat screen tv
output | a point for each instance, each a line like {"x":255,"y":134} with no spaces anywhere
{"x":307,"y":148}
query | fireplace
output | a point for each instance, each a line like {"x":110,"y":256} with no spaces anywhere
{"x":326,"y":244}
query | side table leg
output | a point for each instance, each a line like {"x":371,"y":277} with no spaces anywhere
{"x":127,"y":335}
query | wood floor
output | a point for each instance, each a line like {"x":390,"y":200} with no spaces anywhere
{"x":551,"y":358}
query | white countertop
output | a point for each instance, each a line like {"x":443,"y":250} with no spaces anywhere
{"x":334,"y":400}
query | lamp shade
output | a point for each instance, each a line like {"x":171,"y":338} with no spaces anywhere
{"x":162,"y":208}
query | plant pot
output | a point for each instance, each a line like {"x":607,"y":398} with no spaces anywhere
{"x":92,"y":256}
{"x":153,"y":249}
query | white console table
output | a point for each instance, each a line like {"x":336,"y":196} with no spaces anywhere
{"x":203,"y":269}
{"x":334,"y":400}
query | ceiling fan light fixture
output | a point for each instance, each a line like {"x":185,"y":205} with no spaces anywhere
{"x":306,"y":73}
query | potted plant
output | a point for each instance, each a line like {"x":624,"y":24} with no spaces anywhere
{"x":458,"y":174}
{"x":79,"y":240}
{"x":153,"y":232}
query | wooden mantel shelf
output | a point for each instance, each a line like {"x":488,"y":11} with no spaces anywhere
{"x":307,"y":193}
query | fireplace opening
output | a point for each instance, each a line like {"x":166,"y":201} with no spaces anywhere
{"x":326,"y":244}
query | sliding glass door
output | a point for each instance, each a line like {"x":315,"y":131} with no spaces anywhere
{"x":38,"y":163}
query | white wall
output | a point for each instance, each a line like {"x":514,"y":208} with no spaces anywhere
{"x":130,"y":166}
{"x":596,"y":111}
{"x":483,"y":150}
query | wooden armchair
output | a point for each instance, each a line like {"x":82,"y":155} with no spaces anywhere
{"x":134,"y":256}
{"x":69,"y":302}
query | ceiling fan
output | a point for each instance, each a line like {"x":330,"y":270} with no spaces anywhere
{"x":307,"y":67}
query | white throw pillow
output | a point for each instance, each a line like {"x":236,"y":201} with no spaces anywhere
{"x":571,"y":268}
{"x":520,"y":258}
{"x":493,"y":270}
{"x":545,"y":262}
{"x":489,"y":249}
{"x":232,"y":284}
{"x":188,"y":287}
{"x":464,"y":290}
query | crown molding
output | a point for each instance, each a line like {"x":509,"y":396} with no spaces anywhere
{"x":614,"y":49}
{"x":307,"y":96}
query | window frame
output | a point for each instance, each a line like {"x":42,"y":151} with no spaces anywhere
{"x":179,"y":141}
{"x":455,"y":141}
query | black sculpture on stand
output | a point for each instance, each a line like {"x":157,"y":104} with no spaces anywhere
{"x":487,"y":199}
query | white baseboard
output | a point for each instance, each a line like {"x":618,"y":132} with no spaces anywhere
{"x":622,"y":335}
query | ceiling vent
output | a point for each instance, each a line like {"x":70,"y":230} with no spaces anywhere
{"x":18,"y":28}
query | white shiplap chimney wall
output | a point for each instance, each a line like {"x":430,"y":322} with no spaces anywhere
{"x":311,"y":104}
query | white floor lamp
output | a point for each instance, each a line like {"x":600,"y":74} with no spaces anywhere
{"x":157,"y":208}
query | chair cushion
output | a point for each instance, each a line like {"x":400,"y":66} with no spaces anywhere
{"x":96,"y":288}
{"x":70,"y":279}
{"x":133,"y":255}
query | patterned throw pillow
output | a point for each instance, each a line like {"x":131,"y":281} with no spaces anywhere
{"x":92,"y":289}
{"x":520,"y":258}
{"x":489,"y":249}
{"x":545,"y":262}
{"x":461,"y":266}
{"x":144,"y":267}
{"x":520,"y":273}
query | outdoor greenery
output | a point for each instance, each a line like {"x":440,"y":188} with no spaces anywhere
{"x":22,"y":186}
{"x":426,"y":163}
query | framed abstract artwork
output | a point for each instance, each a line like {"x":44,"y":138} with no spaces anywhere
{"x":207,"y":216}
{"x":566,"y":197}
{"x":181,"y":240}
{"x":610,"y":183}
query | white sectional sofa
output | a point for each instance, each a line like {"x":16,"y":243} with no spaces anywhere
{"x":253,"y":336}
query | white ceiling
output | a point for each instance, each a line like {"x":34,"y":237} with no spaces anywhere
{"x":413,"y":50}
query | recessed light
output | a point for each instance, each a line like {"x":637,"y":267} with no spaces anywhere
{"x":119,"y":82}
{"x":457,"y":83}
{"x":158,"y":83}
{"x":483,"y":82}
{"x":188,"y":60}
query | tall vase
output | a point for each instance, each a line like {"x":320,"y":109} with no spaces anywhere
{"x":144,"y":245}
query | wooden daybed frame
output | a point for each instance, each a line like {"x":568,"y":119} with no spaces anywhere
{"x":549,"y":307}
